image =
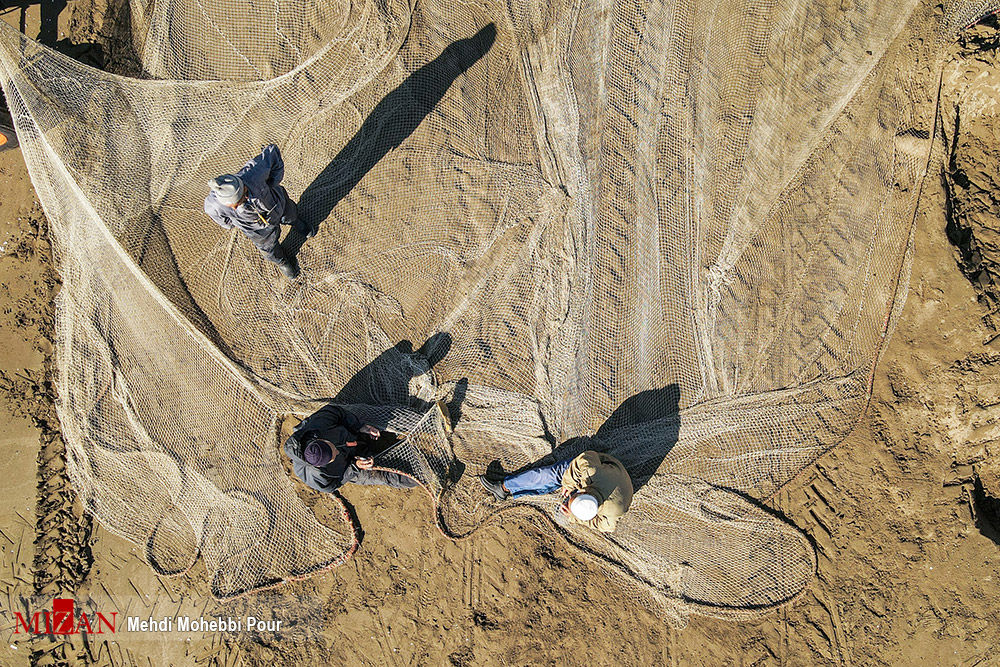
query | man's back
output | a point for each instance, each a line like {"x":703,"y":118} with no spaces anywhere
{"x":265,"y":203}
{"x":604,"y":476}
{"x":262,"y":174}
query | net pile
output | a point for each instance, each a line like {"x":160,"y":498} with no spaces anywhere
{"x":678,"y":231}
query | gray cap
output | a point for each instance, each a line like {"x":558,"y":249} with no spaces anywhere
{"x":228,"y":189}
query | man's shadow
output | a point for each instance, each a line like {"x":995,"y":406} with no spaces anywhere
{"x":391,"y":121}
{"x":640,"y":433}
{"x":652,"y":417}
{"x":385,"y":380}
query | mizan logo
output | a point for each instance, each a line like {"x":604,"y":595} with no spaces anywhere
{"x":62,"y":620}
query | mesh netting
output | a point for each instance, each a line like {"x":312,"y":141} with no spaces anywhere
{"x":675,"y":231}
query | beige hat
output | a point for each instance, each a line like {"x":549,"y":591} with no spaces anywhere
{"x":228,"y":189}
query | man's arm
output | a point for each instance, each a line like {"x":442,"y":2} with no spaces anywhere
{"x":265,"y":169}
{"x":580,"y":472}
{"x":315,"y":478}
{"x":294,"y":447}
{"x":217,"y":212}
{"x":278,"y":170}
{"x":275,"y":165}
{"x":330,"y":416}
{"x":604,"y":524}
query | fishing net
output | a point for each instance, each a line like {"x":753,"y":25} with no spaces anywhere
{"x":677,"y":231}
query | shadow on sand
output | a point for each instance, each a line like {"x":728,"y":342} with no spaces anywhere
{"x":391,"y":121}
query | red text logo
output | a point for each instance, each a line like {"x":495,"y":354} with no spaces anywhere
{"x":62,"y":620}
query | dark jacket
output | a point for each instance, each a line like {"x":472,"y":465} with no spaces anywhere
{"x":339,"y":426}
{"x":267,"y":202}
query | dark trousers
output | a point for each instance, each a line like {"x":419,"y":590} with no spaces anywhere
{"x":267,"y":239}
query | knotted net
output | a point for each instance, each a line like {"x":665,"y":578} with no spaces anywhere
{"x":678,"y":231}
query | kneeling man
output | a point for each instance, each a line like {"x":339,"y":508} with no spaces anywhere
{"x":332,"y":447}
{"x":595,"y":487}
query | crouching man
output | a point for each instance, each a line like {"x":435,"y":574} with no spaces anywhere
{"x":596,"y":489}
{"x":332,"y":447}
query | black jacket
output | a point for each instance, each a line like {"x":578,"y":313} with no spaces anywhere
{"x":339,"y":426}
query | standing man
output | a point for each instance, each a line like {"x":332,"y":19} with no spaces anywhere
{"x":332,"y":447}
{"x":253,"y":200}
{"x":595,"y":488}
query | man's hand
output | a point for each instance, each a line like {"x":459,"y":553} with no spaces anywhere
{"x":364,"y":463}
{"x":567,"y":498}
{"x":368,"y":429}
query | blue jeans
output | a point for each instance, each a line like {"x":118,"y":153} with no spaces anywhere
{"x":537,"y":481}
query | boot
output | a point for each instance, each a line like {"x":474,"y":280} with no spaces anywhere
{"x":495,"y":488}
{"x":290,"y":268}
{"x":304,"y":228}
